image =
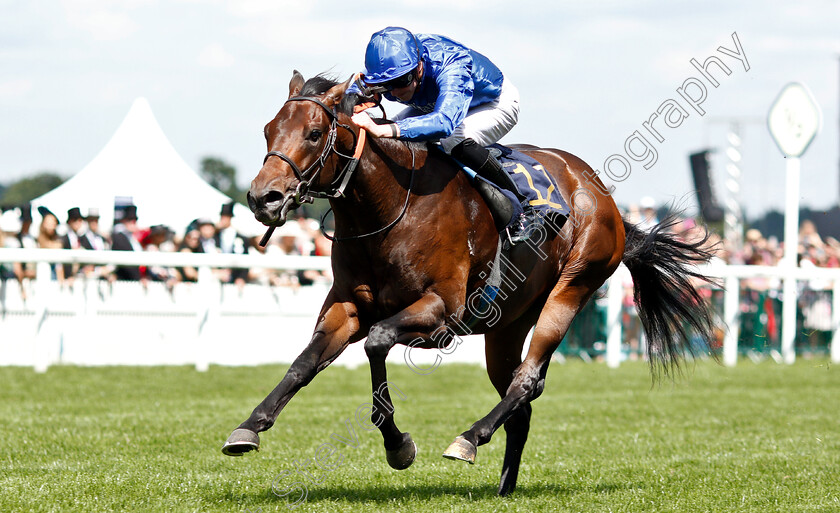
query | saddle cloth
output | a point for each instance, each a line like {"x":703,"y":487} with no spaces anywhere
{"x":540,"y":189}
{"x":535,"y":183}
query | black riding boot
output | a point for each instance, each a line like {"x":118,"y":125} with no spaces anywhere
{"x":479,"y":159}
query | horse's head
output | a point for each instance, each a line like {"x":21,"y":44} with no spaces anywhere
{"x":306,"y":143}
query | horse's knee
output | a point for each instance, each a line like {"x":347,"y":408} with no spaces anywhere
{"x":380,"y":340}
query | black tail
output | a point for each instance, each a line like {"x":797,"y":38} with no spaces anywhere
{"x":670,"y":307}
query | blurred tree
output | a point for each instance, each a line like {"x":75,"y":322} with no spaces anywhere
{"x":222,"y":176}
{"x":29,"y":188}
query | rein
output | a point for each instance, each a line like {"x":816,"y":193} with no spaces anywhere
{"x":384,"y":228}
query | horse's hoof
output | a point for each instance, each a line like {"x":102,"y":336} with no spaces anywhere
{"x":402,"y":458}
{"x":241,"y":441}
{"x":461,"y":449}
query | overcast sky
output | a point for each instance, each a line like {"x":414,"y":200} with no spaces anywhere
{"x":589,"y":74}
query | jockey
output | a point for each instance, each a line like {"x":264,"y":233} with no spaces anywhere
{"x":455,"y":95}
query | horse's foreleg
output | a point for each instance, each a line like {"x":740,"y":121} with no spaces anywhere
{"x":337,"y":327}
{"x":418,"y":320}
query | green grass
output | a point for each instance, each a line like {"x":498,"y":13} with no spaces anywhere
{"x":754,"y":438}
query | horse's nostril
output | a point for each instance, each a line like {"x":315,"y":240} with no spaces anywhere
{"x":273,"y":197}
{"x":251,"y":203}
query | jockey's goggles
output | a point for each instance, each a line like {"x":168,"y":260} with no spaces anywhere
{"x":396,"y":83}
{"x":399,"y":82}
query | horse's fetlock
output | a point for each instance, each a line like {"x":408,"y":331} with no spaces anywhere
{"x":263,"y":420}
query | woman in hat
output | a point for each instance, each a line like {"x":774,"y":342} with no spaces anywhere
{"x":48,"y":238}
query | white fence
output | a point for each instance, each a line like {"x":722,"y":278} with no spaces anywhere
{"x":731,"y":277}
{"x":95,"y":322}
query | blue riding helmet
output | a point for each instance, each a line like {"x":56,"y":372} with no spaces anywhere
{"x":391,"y":53}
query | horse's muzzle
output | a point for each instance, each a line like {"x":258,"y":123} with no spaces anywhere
{"x":267,"y":206}
{"x":270,"y":208}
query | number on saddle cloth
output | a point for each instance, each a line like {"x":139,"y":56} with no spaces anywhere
{"x":540,"y":189}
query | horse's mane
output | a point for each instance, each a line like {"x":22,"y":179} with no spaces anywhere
{"x":318,"y":85}
{"x":323,"y":82}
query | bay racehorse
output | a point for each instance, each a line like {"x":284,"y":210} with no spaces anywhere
{"x":413,"y":243}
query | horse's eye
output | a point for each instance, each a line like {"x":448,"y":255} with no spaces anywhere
{"x":314,"y":135}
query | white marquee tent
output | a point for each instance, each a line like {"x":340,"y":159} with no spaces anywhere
{"x":140,"y":164}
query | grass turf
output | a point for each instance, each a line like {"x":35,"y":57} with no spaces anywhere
{"x":751,"y":438}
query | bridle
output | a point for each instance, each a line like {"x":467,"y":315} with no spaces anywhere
{"x":303,"y":193}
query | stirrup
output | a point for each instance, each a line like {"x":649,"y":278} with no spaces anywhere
{"x":522,"y":229}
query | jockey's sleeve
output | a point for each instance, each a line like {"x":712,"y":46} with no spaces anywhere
{"x":455,"y":85}
{"x":353,"y":89}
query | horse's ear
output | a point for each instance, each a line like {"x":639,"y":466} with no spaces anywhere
{"x":337,"y":91}
{"x":296,"y":84}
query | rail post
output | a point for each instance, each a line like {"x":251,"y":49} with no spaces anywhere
{"x":615,"y":296}
{"x":835,"y":322}
{"x":730,"y":314}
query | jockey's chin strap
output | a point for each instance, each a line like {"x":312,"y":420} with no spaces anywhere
{"x":303,"y":193}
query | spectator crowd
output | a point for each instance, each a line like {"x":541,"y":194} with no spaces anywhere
{"x":813,"y":250}
{"x":80,"y":230}
{"x":302,"y":236}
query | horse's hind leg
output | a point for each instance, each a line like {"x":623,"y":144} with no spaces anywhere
{"x":564,"y":302}
{"x":503,"y":351}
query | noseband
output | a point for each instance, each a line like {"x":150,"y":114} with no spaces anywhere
{"x":303,"y":193}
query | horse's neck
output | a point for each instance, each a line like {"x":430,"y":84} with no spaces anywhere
{"x":377,"y":194}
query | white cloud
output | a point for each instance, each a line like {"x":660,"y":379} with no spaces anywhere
{"x":103,"y":21}
{"x":799,"y":44}
{"x":15,"y":88}
{"x":262,"y":8}
{"x":215,"y":56}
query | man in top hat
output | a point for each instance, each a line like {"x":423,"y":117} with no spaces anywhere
{"x":123,"y":240}
{"x":92,"y":239}
{"x":23,"y":239}
{"x":231,"y":242}
{"x":73,"y":238}
{"x":75,"y":229}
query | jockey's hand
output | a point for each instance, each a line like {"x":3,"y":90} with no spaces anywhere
{"x":363,"y":120}
{"x":373,"y":99}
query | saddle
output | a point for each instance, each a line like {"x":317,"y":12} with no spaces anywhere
{"x":542,"y":198}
